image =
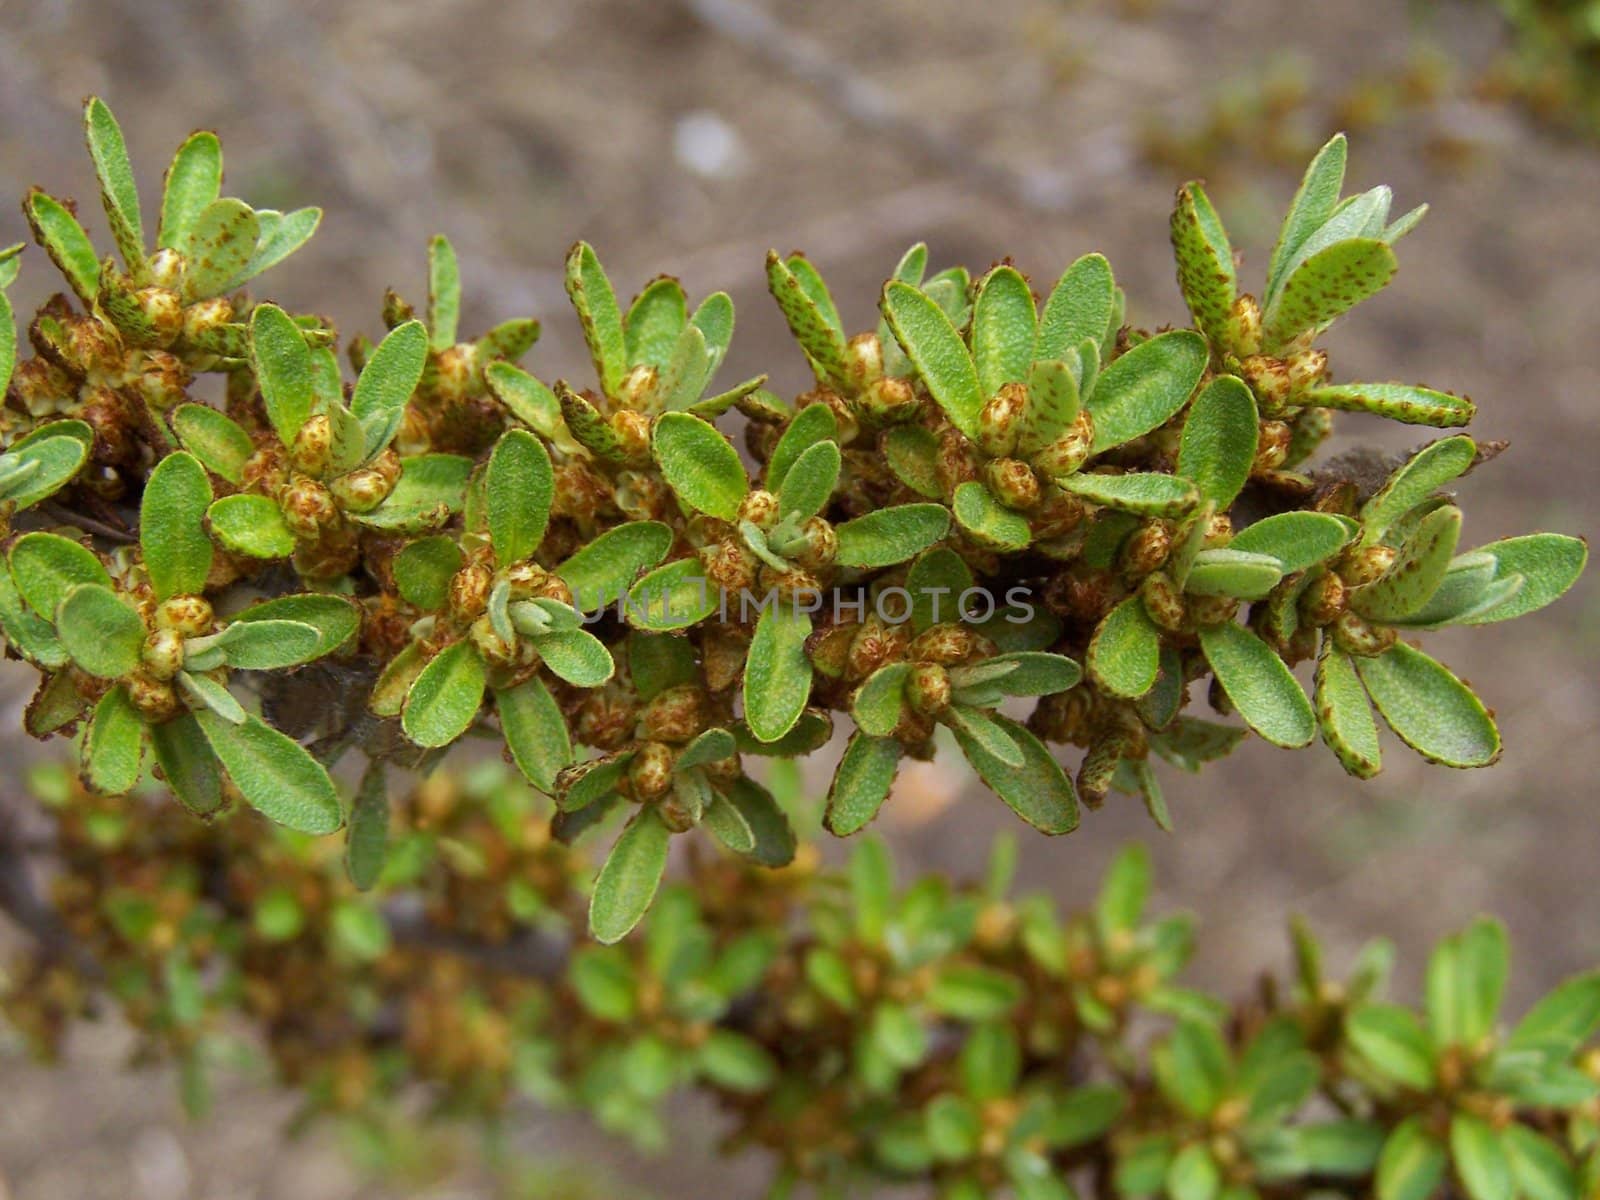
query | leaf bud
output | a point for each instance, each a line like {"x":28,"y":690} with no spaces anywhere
{"x":889,"y":401}
{"x":947,"y":644}
{"x":201,"y":317}
{"x":1001,"y":419}
{"x":1068,"y":452}
{"x":1242,"y":328}
{"x":362,"y":490}
{"x":928,"y":688}
{"x":677,"y":714}
{"x":165,"y":269}
{"x":162,"y":654}
{"x":1362,"y":564}
{"x":633,"y":431}
{"x":1356,"y":636}
{"x":1323,"y":599}
{"x":189,"y":616}
{"x":469,"y":591}
{"x":760,"y":508}
{"x":1163,"y":602}
{"x":1012,"y":482}
{"x":819,"y":545}
{"x":308,"y":507}
{"x":863,"y":360}
{"x":1209,"y":611}
{"x":1146,"y":548}
{"x":650,"y":773}
{"x":1272,"y":448}
{"x":155,"y":699}
{"x":161,"y":312}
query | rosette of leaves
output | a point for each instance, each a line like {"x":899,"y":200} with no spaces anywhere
{"x":868,"y":373}
{"x":778,"y":530}
{"x":206,"y":245}
{"x":656,"y":358}
{"x":952,"y":675}
{"x":896,"y":965}
{"x":682,"y":769}
{"x":988,"y":1129}
{"x":1399,"y":574}
{"x":497,"y":618}
{"x":1224,"y":1129}
{"x":319,"y":471}
{"x":1331,"y":254}
{"x":1113,"y":961}
{"x":657,"y":1007}
{"x":453,"y":408}
{"x":1030,"y":405}
{"x":145,"y":651}
{"x":1469,"y":1098}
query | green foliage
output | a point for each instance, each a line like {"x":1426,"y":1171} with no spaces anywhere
{"x":1004,"y":523}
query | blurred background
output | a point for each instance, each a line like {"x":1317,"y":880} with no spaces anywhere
{"x":689,"y":136}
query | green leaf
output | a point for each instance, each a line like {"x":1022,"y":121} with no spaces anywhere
{"x":985,"y":520}
{"x":1145,"y":388}
{"x":1424,"y":474}
{"x":386,"y":382}
{"x":891,"y":535}
{"x":879,"y":703}
{"x":57,"y":230}
{"x":423,"y":570}
{"x":527,"y":398}
{"x":1326,"y":285}
{"x":445,"y":698}
{"x":278,"y":235}
{"x":700,"y":465}
{"x":201,"y":691}
{"x":735,"y":1063}
{"x":1397,"y":401}
{"x":1125,"y":651}
{"x":113,"y":747}
{"x":627,"y":883}
{"x":1298,"y":540}
{"x":974,"y":993}
{"x":1313,"y":204}
{"x":678,"y":386}
{"x":1412,"y":1164}
{"x":335,"y":618}
{"x":1037,"y":791}
{"x":251,"y":525}
{"x":535,"y":732}
{"x":1261,"y":687}
{"x":1218,"y":446}
{"x":1029,"y":673}
{"x":1466,"y":981}
{"x":777,"y":675}
{"x":102,"y":634}
{"x":577,"y":656}
{"x":728,"y":825}
{"x":444,"y":293}
{"x":1206,"y":272}
{"x":912,"y":453}
{"x":270,"y":644}
{"x":809,"y":483}
{"x":1343,"y":713}
{"x":282,"y":363}
{"x":775,"y":840}
{"x":861,"y":783}
{"x":810,"y":315}
{"x":46,"y":460}
{"x":1080,"y":306}
{"x":366,"y":838}
{"x":982,"y":730}
{"x":46,"y":566}
{"x":596,"y":305}
{"x":604,"y":568}
{"x":1225,"y":571}
{"x":1004,"y":327}
{"x":118,"y":191}
{"x":934,"y":347}
{"x":1549,"y":564}
{"x":812,"y":424}
{"x":431,"y":488}
{"x":219,"y":248}
{"x":1343,"y":1149}
{"x":1541,"y":1170}
{"x":1480,"y":1158}
{"x":274,"y":774}
{"x":1417,"y":571}
{"x":1394,"y":1042}
{"x":936,"y":582}
{"x":188,"y":763}
{"x":519,"y":485}
{"x":714,"y":322}
{"x":1431,"y":710}
{"x":1053,"y":405}
{"x":172,"y":531}
{"x":654,"y":322}
{"x":1145,"y":494}
{"x":1561,"y":1021}
{"x":674,"y":596}
{"x":990,"y":1062}
{"x":193,"y":181}
{"x":1192,"y":1067}
{"x":215,"y":439}
{"x":1124,"y":892}
{"x":1193,"y":1174}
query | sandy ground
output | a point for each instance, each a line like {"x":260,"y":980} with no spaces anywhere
{"x":515,"y":128}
